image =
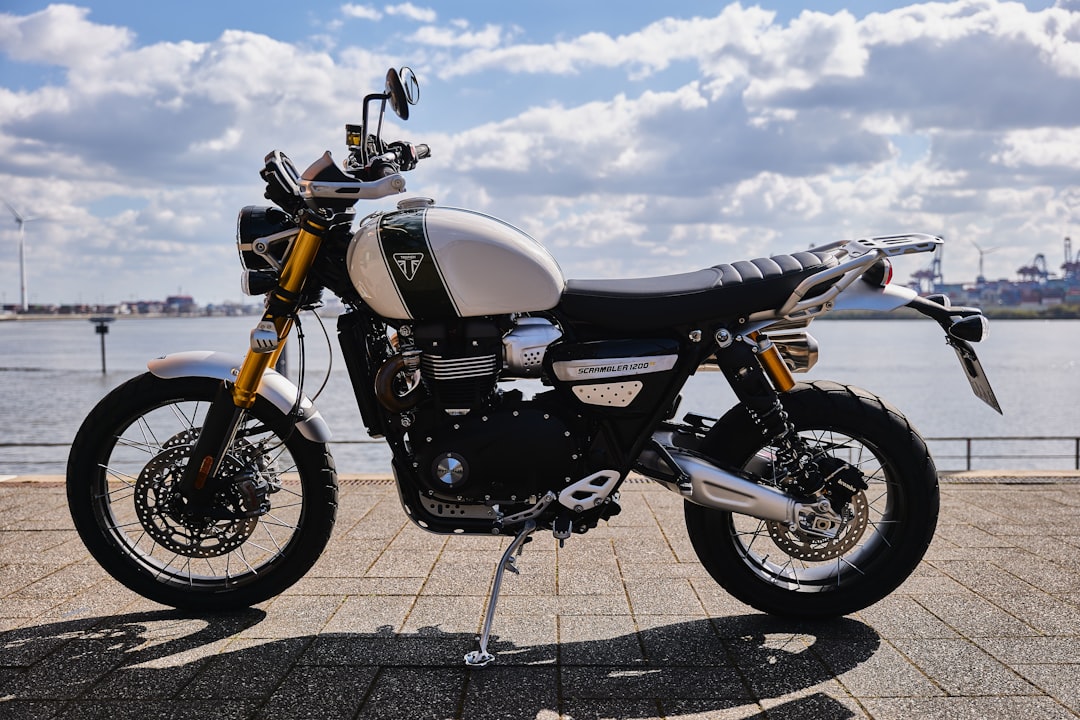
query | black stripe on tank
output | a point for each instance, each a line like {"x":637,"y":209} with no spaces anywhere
{"x":408,"y":256}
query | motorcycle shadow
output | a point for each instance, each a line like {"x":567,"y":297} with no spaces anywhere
{"x":168,"y":664}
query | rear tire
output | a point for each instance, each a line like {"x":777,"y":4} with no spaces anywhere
{"x":781,"y":572}
{"x":122,"y":471}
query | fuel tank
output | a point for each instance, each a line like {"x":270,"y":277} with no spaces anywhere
{"x":424,"y":262}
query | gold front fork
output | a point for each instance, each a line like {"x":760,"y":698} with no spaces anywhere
{"x":280,"y":306}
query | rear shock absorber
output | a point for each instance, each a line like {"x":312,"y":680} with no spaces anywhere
{"x":758,"y":375}
{"x":752,"y":366}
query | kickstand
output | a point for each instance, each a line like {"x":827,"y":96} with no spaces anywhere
{"x":481,"y":657}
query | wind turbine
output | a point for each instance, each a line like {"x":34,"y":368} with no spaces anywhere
{"x":982,"y":277}
{"x":21,"y":221}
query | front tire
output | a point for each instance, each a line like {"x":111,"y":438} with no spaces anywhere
{"x":125,"y":464}
{"x":782,"y":572}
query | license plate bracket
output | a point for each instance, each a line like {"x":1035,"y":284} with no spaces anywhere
{"x":973,"y":370}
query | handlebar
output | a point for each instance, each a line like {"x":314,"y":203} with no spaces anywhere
{"x":398,"y":157}
{"x":326,"y":186}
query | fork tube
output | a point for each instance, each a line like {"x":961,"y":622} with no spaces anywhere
{"x":199,"y":482}
{"x":280,"y":307}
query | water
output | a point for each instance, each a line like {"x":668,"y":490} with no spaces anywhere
{"x":50,"y":377}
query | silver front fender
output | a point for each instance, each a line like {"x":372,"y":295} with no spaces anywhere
{"x":274,"y":387}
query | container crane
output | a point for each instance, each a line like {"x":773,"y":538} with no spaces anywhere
{"x":1071,"y":268}
{"x":1036,"y":271}
{"x":928,"y":279}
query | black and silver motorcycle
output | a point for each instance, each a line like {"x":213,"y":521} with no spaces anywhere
{"x":206,"y":483}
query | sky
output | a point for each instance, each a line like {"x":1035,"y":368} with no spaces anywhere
{"x":632,"y":139}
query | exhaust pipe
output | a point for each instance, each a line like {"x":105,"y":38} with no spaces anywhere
{"x":703,"y":483}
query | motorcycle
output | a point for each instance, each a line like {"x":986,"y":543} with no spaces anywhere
{"x":206,"y":483}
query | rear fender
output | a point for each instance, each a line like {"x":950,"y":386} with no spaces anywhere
{"x":275,"y":387}
{"x":868,"y":296}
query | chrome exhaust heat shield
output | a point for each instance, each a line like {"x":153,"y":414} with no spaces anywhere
{"x":711,"y":486}
{"x":703,"y":483}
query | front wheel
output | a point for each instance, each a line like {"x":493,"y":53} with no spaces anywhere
{"x":888,"y":525}
{"x":267,"y":526}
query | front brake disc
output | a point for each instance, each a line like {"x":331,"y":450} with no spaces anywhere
{"x":160,"y":508}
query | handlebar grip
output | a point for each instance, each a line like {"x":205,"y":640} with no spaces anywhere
{"x":423,"y":151}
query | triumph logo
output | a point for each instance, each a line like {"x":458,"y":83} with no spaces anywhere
{"x":408,"y":263}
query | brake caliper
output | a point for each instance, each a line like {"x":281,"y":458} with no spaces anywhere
{"x":842,"y":480}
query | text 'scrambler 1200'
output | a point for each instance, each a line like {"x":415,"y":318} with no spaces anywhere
{"x":206,"y":483}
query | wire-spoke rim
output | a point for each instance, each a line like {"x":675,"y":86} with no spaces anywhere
{"x":756,"y":542}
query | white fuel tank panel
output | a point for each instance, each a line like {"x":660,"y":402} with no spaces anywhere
{"x":436,"y":263}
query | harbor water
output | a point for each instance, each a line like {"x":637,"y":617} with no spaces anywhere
{"x":50,"y":377}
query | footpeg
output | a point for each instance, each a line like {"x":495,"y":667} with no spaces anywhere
{"x":562,"y":527}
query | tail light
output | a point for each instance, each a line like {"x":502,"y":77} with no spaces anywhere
{"x":880,"y":273}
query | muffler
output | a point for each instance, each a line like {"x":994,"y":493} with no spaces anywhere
{"x":704,"y":483}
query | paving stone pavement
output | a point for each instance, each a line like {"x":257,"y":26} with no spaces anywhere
{"x":621,"y":623}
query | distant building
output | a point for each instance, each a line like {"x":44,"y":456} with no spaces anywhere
{"x":180,"y":305}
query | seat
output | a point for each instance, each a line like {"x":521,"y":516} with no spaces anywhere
{"x":719,"y":292}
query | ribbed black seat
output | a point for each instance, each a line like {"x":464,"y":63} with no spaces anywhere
{"x":718,"y":292}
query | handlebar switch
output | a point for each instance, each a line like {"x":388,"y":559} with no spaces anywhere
{"x":407,"y":156}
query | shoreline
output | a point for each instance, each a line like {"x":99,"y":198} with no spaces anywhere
{"x":1056,"y":312}
{"x":41,"y":317}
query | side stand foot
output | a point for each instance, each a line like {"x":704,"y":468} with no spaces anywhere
{"x":481,"y":657}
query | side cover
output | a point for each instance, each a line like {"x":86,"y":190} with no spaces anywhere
{"x":436,"y":263}
{"x":614,"y":377}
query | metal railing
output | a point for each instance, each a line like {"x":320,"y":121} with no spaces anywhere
{"x":1038,"y":452}
{"x":1056,"y":453}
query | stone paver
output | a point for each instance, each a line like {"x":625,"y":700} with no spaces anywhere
{"x":621,"y":623}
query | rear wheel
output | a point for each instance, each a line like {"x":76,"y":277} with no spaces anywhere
{"x":267,"y":526}
{"x":887,"y":526}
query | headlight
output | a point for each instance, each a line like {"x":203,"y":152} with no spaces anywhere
{"x":263,"y":237}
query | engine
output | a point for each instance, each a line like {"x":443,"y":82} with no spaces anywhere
{"x":500,"y":453}
{"x":471,"y":441}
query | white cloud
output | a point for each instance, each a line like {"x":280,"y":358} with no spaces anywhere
{"x":361,"y":12}
{"x":491,"y":36}
{"x":412,"y":12}
{"x":687,"y":142}
{"x":649,"y":50}
{"x":59,"y":35}
{"x":1041,"y":147}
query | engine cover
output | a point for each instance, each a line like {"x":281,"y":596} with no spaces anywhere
{"x":496,"y":455}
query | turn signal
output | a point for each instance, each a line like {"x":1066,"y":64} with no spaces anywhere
{"x":258,"y":282}
{"x":972,"y":328}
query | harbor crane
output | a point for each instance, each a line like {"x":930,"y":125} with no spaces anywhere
{"x":1036,"y":271}
{"x":927,"y":280}
{"x":1071,"y":268}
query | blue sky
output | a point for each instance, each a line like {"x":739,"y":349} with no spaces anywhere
{"x":632,"y":139}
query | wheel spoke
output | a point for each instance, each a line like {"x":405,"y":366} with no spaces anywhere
{"x":132,"y":482}
{"x":795,"y":560}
